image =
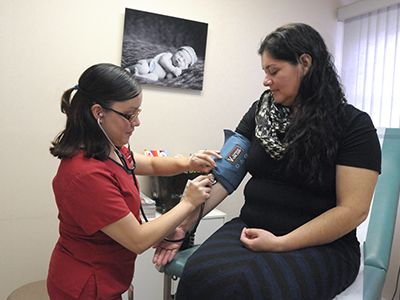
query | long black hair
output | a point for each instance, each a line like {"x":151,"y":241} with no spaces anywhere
{"x":103,"y":84}
{"x":312,"y":136}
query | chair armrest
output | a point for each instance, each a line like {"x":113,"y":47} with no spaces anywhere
{"x":374,"y":279}
{"x":381,"y":226}
{"x":175,"y":267}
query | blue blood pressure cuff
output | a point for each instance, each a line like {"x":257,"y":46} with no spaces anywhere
{"x":231,"y":169}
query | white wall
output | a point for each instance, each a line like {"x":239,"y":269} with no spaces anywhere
{"x":45,"y":46}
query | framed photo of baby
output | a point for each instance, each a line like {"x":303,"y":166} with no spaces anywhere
{"x":163,"y":50}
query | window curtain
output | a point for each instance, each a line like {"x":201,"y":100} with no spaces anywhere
{"x":371,"y":64}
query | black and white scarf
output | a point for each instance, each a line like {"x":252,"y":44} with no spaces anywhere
{"x":271,"y":118}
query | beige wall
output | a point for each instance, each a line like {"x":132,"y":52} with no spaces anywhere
{"x":45,"y":46}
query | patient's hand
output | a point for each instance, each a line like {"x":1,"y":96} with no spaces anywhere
{"x":259,"y":240}
{"x":165,"y":251}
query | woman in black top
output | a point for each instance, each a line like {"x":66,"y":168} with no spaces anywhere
{"x":314,"y":162}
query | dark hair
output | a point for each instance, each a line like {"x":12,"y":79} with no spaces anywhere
{"x":312,"y":136}
{"x":103,"y":84}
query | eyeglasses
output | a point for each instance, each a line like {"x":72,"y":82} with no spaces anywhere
{"x":130,"y":118}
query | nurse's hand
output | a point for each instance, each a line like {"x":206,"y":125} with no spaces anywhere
{"x":198,"y":190}
{"x":202,"y":161}
{"x":165,"y":251}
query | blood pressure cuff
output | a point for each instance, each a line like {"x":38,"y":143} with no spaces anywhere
{"x":231,"y":169}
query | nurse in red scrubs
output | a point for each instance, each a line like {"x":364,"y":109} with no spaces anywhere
{"x":97,"y":193}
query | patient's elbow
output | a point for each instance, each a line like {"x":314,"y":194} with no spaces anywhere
{"x":361,"y":216}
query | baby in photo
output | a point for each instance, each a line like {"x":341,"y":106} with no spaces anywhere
{"x":165,"y":65}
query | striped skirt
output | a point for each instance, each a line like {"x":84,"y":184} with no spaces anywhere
{"x":222,"y":268}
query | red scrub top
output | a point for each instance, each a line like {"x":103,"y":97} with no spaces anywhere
{"x":90,"y":195}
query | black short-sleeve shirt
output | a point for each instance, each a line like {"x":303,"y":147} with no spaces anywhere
{"x":280,"y":202}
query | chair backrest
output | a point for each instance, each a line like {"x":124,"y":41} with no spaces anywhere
{"x":382,"y":219}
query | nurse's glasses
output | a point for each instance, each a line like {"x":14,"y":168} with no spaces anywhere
{"x":129,"y":117}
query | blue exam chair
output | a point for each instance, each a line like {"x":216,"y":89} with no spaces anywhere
{"x":382,"y":220}
{"x":378,"y":243}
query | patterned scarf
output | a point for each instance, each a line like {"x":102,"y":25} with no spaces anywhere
{"x":271,"y":119}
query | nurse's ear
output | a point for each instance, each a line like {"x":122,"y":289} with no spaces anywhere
{"x":306,"y":62}
{"x":97,"y":111}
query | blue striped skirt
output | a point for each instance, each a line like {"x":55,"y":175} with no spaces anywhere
{"x":222,"y":268}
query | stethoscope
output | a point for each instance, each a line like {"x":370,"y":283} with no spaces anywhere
{"x":123,"y":159}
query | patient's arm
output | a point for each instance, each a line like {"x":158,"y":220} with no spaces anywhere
{"x":165,"y":251}
{"x":217,"y":195}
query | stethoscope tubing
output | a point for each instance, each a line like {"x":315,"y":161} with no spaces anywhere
{"x":132,"y":170}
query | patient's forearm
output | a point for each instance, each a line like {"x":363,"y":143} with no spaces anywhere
{"x":218,"y":193}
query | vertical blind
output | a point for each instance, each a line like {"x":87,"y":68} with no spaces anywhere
{"x":371,"y":64}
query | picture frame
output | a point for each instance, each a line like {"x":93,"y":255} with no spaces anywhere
{"x":163,"y":50}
